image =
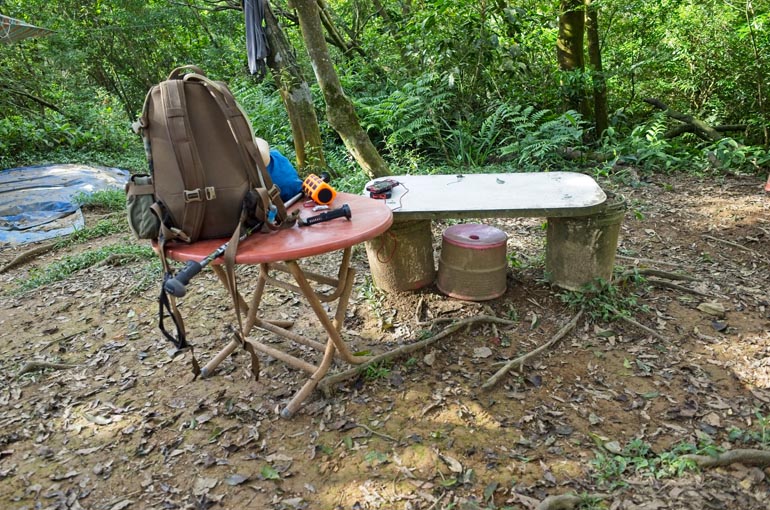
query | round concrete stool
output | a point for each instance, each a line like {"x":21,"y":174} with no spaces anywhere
{"x":472,"y":265}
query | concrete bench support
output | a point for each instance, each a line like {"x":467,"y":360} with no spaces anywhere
{"x":581,"y":249}
{"x":402,"y":258}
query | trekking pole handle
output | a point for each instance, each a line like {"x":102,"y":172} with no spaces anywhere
{"x":342,"y":212}
{"x":177,"y":286}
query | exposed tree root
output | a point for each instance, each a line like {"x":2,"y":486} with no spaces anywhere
{"x":658,"y":273}
{"x":327,"y":383}
{"x":748,"y":457}
{"x":492,"y":381}
{"x":561,"y":502}
{"x":734,"y":245}
{"x":699,"y":127}
{"x":32,"y":366}
{"x":62,"y":339}
{"x":672,"y":285}
{"x":649,"y":261}
{"x":638,"y":325}
{"x":27,"y":256}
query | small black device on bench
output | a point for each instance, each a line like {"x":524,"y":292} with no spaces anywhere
{"x":382,"y":189}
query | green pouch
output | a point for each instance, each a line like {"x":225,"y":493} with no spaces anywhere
{"x":140,"y":195}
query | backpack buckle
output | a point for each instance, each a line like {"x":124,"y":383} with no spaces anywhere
{"x":211,"y":193}
{"x":192,"y":195}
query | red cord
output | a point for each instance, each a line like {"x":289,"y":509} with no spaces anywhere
{"x":393,"y":252}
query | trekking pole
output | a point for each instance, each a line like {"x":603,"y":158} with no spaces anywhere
{"x":341,"y":212}
{"x":177,"y":286}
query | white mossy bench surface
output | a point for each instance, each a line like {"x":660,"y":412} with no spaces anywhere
{"x":582,"y":229}
{"x":508,"y":195}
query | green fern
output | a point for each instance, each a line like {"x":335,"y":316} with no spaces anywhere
{"x":409,"y":117}
{"x":539,"y":136}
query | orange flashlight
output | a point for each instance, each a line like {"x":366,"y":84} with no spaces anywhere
{"x":319,"y":191}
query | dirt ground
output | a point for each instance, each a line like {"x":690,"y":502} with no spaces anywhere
{"x":126,"y":426}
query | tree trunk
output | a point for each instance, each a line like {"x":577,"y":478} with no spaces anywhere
{"x":569,"y":52}
{"x":296,"y":97}
{"x":759,"y":67}
{"x":8,"y":91}
{"x":339,"y":108}
{"x":601,"y":115}
{"x":702,"y":129}
{"x":334,"y":34}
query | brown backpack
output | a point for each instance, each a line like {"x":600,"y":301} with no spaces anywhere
{"x":203,"y":160}
{"x":207,"y":176}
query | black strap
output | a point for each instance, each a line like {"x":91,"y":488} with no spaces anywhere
{"x":166,"y":306}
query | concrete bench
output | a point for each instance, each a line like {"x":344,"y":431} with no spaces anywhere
{"x":581,"y":238}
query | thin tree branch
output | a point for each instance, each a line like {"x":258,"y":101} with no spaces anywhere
{"x":328,"y":382}
{"x":492,"y":381}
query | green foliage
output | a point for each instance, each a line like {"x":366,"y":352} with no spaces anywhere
{"x":409,"y":117}
{"x":647,"y":150}
{"x":637,"y":458}
{"x":111,"y":200}
{"x":727,"y":155}
{"x":264,"y":107}
{"x":375,"y":298}
{"x":71,"y":264}
{"x":98,"y":135}
{"x":268,"y":472}
{"x":540,"y":136}
{"x":352,"y":181}
{"x":374,"y":457}
{"x":458,"y":84}
{"x":607,"y":301}
{"x":505,"y":131}
{"x":759,"y":435}
{"x":102,"y":228}
{"x":474,"y":141}
{"x":148,"y":275}
{"x":376,"y":371}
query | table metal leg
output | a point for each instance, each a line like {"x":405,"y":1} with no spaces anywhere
{"x":310,"y":385}
{"x":334,"y":345}
{"x":315,"y":304}
{"x":251,"y":310}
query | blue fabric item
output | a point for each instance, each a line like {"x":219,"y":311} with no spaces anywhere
{"x":38,"y":202}
{"x":284,"y":175}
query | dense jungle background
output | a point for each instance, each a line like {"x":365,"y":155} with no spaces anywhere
{"x":657,"y":397}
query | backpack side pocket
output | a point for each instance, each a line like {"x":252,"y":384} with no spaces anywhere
{"x":140,"y":195}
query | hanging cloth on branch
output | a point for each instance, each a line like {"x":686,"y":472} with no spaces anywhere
{"x":256,"y":41}
{"x":12,"y":30}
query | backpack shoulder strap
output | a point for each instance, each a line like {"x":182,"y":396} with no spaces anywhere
{"x":178,"y":124}
{"x":243,"y":132}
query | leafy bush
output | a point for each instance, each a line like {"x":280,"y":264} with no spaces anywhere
{"x":647,"y":149}
{"x":94,"y":133}
{"x":407,"y":118}
{"x":606,"y":301}
{"x":638,"y":458}
{"x":729,"y":155}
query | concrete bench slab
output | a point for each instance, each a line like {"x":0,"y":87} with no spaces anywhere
{"x":579,"y":245}
{"x":509,"y":195}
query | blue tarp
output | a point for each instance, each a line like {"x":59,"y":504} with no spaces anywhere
{"x":37,"y":202}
